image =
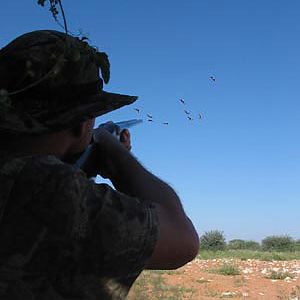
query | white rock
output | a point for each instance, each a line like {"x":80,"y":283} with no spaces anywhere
{"x":247,"y":271}
{"x":225,"y":294}
{"x":285,"y":270}
{"x":287,"y":279}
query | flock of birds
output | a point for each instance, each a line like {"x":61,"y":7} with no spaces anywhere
{"x":188,"y":114}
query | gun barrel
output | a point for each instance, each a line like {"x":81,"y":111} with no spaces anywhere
{"x":129,"y":123}
{"x":114,"y":127}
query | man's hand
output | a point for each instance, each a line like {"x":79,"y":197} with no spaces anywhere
{"x":108,"y":148}
{"x":125,"y":139}
{"x":123,"y":136}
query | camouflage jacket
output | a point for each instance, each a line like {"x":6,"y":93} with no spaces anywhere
{"x":63,"y":236}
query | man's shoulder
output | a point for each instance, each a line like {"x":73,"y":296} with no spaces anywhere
{"x":12,"y":163}
{"x":37,"y":170}
{"x":49,"y":164}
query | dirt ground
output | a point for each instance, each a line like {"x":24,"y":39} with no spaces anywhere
{"x":198,"y":280}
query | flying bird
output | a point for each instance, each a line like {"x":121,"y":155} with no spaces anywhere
{"x":190,"y":118}
{"x":149,"y":116}
{"x":182,"y":101}
{"x":200,"y":116}
{"x":187,"y":112}
{"x":212,"y":78}
{"x":166,"y":123}
{"x":150,"y":120}
{"x":138,"y":110}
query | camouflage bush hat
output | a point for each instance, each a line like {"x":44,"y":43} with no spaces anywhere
{"x":50,"y":81}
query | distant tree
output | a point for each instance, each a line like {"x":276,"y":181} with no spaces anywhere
{"x":252,"y":245}
{"x":278,"y":243}
{"x":238,"y":244}
{"x":212,"y":240}
{"x":297,"y":245}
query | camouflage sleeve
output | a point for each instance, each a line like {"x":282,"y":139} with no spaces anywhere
{"x":116,"y":233}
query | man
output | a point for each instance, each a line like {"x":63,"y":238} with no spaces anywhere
{"x":63,"y":236}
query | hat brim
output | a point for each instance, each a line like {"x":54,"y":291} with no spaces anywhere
{"x":87,"y":107}
{"x":91,"y":107}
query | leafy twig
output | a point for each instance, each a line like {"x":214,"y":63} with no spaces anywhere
{"x":63,"y":15}
{"x":54,"y":11}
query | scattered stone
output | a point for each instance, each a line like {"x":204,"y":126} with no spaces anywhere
{"x":228,"y":294}
{"x":247,"y":271}
{"x":264,"y":271}
{"x":287,"y":279}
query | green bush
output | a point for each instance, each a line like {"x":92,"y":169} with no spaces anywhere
{"x":252,"y":245}
{"x":226,"y":269}
{"x":212,"y":240}
{"x":280,"y":275}
{"x":238,"y":244}
{"x":250,"y":254}
{"x":297,"y":245}
{"x":278,"y":243}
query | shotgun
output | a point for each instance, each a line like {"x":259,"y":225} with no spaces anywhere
{"x":113,"y":128}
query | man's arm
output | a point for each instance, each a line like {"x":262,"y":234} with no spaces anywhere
{"x":178,"y":241}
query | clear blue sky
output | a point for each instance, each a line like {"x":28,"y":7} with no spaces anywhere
{"x":237,"y":170}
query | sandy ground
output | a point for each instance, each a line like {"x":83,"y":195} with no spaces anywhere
{"x":196,"y":281}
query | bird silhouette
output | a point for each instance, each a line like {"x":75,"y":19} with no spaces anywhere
{"x":138,"y":110}
{"x":200,"y":116}
{"x":150,"y":120}
{"x":149,"y":116}
{"x":182,"y":101}
{"x":190,"y":118}
{"x":187,"y":112}
{"x":166,"y":123}
{"x":212,"y":78}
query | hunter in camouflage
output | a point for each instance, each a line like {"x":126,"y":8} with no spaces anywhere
{"x":62,"y":235}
